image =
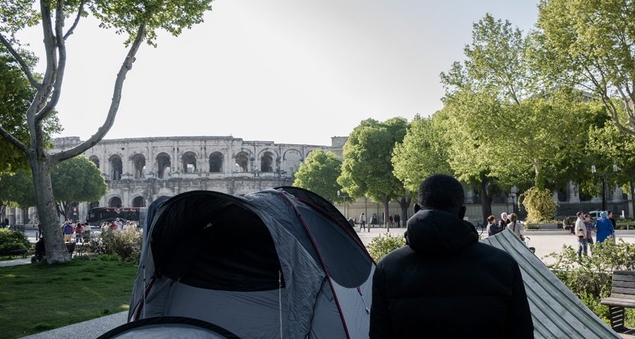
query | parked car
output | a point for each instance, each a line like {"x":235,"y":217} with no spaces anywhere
{"x":595,"y":214}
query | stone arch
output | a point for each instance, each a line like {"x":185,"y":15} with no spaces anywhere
{"x":139,"y":163}
{"x":116,"y":167}
{"x":242,"y":161}
{"x":138,"y":201}
{"x":163,"y":165}
{"x":216,"y":162}
{"x":95,"y":160}
{"x":266,"y":162}
{"x":291,"y":160}
{"x":188,"y":160}
{"x":114,"y":202}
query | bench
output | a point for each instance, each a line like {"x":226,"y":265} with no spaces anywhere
{"x":622,"y":296}
{"x":22,"y":252}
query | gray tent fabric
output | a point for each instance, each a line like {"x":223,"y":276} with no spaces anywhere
{"x":276,"y":263}
{"x":556,"y":311}
{"x":168,"y":328}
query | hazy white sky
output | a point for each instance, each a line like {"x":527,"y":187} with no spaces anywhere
{"x":289,"y":71}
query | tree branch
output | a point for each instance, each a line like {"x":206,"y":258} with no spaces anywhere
{"x":21,"y":62}
{"x":14,"y":141}
{"x":114,"y":104}
{"x":60,"y":46}
{"x":80,"y":10}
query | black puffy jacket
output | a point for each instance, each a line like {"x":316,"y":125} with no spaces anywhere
{"x":446,"y":284}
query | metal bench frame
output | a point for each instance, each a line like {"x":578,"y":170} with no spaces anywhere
{"x":622,"y":297}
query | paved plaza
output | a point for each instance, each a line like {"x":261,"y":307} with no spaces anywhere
{"x":545,"y":242}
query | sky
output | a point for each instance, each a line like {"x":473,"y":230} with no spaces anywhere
{"x":288,"y":71}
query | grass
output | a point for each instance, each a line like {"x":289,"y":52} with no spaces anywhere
{"x":40,"y":297}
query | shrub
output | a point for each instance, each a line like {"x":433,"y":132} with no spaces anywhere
{"x":590,"y":277}
{"x":126,"y":244}
{"x":12,"y":240}
{"x":539,"y":204}
{"x":384,"y":244}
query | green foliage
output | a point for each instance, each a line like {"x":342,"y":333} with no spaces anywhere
{"x":77,"y":180}
{"x":422,"y":153}
{"x":319,"y":174}
{"x":366,"y":169}
{"x":124,"y":244}
{"x":590,"y":277}
{"x":17,"y":189}
{"x":539,"y":204}
{"x":12,"y":240}
{"x":589,"y":44}
{"x":498,"y":109}
{"x":384,"y":244}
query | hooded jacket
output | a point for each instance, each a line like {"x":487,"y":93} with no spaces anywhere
{"x":445,"y":283}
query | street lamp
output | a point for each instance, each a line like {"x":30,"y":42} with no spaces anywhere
{"x":594,"y":171}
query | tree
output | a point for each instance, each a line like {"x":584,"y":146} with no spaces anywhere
{"x":15,"y":95}
{"x":76,"y":180}
{"x":139,"y":21}
{"x":591,"y":43}
{"x":504,"y":125}
{"x":367,"y":169}
{"x":422,"y":153}
{"x":319,"y":174}
{"x":17,"y":189}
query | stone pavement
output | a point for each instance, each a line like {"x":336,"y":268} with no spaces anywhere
{"x":545,"y":242}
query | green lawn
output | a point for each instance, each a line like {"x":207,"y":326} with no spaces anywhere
{"x":39,"y":297}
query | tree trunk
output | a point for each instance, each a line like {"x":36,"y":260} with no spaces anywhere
{"x":386,"y":202}
{"x":404,"y":203}
{"x":486,"y":205}
{"x":53,"y":238}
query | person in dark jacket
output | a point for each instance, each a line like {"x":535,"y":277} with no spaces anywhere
{"x":444,"y":282}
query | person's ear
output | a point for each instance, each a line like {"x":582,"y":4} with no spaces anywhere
{"x":417,"y":208}
{"x":462,"y":212}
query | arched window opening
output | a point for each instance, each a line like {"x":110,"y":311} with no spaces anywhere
{"x":189,"y":162}
{"x":95,"y":160}
{"x":139,"y":162}
{"x":163,"y":166}
{"x":114,"y":202}
{"x":116,"y":166}
{"x":138,"y":202}
{"x":242,"y":161}
{"x":266,"y":162}
{"x":216,"y":162}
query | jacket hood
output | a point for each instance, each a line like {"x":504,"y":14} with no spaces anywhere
{"x":439,"y":233}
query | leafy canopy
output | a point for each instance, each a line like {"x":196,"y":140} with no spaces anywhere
{"x":319,"y":174}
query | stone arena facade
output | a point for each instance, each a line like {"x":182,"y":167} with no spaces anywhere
{"x":139,"y":170}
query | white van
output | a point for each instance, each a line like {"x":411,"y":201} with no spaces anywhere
{"x":595,"y":214}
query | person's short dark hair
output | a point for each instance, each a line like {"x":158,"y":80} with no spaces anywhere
{"x":491,"y":218}
{"x":441,"y":192}
{"x":579,"y":214}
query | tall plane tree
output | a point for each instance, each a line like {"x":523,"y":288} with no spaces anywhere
{"x":138,"y":20}
{"x":367,"y":169}
{"x":591,"y":44}
{"x":505,"y":125}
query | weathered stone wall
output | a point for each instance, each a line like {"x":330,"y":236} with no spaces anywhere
{"x":139,"y":170}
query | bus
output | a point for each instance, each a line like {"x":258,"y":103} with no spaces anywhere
{"x":98,"y":215}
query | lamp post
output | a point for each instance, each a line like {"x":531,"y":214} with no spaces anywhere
{"x":594,"y":171}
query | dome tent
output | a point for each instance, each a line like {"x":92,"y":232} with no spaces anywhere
{"x":277,"y":263}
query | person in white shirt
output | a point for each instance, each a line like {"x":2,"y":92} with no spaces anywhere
{"x":581,"y":232}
